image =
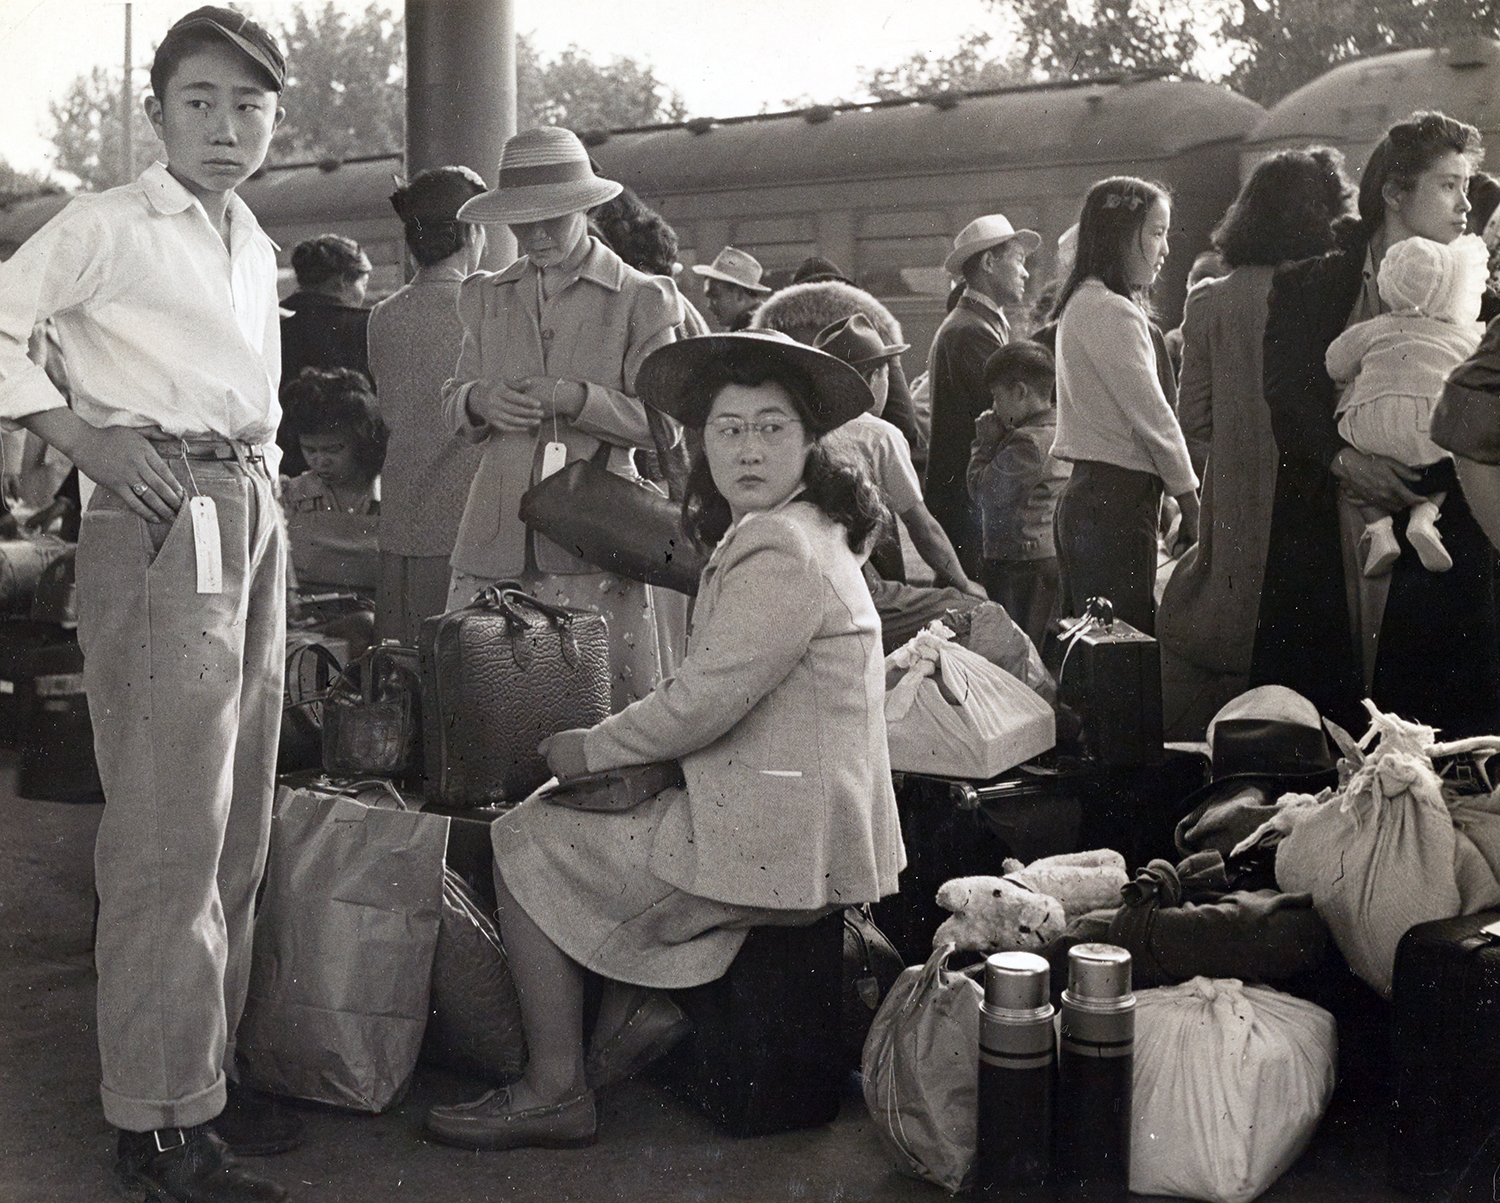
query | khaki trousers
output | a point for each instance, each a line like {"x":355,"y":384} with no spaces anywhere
{"x":184,"y":691}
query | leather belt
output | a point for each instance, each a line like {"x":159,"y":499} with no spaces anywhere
{"x":205,"y":447}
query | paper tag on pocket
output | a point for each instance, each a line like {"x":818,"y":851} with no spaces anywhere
{"x":205,"y":516}
{"x":554,"y":458}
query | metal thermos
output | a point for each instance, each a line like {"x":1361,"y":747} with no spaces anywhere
{"x":1096,"y":1055}
{"x":1017,"y":1062}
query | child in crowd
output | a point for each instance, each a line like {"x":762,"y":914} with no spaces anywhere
{"x":1114,"y":420}
{"x":163,"y":292}
{"x":1394,"y":366}
{"x":333,"y":509}
{"x":1015,"y":482}
{"x":870,"y":440}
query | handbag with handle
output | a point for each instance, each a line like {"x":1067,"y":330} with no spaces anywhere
{"x":498,"y":677}
{"x":618,"y":524}
{"x":371,"y":714}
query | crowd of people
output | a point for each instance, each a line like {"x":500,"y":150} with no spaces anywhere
{"x":1274,"y":512}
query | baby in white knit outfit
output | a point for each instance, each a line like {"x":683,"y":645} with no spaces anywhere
{"x":1395,"y":364}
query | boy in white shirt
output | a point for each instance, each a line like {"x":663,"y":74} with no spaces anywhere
{"x":163,"y":294}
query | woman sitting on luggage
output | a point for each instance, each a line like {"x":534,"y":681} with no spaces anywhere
{"x":776,"y":714}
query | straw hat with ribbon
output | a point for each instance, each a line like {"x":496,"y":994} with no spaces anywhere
{"x":544,"y":173}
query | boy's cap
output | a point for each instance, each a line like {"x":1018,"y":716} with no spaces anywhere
{"x":239,"y":31}
{"x":855,"y":340}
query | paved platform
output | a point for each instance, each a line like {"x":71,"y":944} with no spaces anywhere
{"x":56,"y":1148}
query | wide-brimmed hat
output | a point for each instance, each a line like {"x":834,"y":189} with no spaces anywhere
{"x":1266,"y":742}
{"x":983,"y":233}
{"x":734,"y":266}
{"x":666,"y":377}
{"x":240,"y":32}
{"x":544,"y":173}
{"x":855,"y":340}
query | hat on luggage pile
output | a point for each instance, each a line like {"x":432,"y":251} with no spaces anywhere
{"x":544,"y":173}
{"x":667,"y":377}
{"x":1262,"y":744}
{"x":734,"y":266}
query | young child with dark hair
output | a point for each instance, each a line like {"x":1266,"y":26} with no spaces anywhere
{"x":163,"y":292}
{"x":333,"y":509}
{"x":1015,"y":482}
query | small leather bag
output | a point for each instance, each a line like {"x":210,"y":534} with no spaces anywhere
{"x":498,"y":677}
{"x":613,"y":790}
{"x":309,"y":669}
{"x":371,"y":714}
{"x":618,"y":524}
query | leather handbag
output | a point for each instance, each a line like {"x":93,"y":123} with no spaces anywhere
{"x":372,"y":715}
{"x":310,"y":667}
{"x":613,"y":789}
{"x":618,"y":524}
{"x":498,"y":677}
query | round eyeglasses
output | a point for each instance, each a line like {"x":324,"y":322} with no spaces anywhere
{"x":731,"y":432}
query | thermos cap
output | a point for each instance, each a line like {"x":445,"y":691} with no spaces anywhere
{"x":1016,"y":981}
{"x":1098,"y":973}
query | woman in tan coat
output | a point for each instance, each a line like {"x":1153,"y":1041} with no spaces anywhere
{"x":546,"y":375}
{"x":776,"y":715}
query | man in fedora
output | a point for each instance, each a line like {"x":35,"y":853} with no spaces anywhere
{"x":990,"y":255}
{"x":732,"y":284}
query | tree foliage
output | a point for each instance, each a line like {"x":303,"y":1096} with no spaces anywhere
{"x":973,"y":67}
{"x":87,"y":131}
{"x":345,"y":97}
{"x":1282,"y":44}
{"x":1060,"y":38}
{"x":573,"y":90}
{"x":16,"y":184}
{"x":345,"y":87}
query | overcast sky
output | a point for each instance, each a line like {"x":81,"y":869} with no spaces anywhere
{"x":726,"y":57}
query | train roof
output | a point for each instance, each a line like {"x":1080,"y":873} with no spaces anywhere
{"x":1104,"y":120}
{"x":1351,"y":105}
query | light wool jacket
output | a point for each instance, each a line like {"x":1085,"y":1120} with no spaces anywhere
{"x":597,"y":330}
{"x":778,"y":716}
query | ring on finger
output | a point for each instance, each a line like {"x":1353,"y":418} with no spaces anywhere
{"x":139,"y":488}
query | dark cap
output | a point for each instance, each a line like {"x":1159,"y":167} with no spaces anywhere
{"x":240,"y":32}
{"x":855,"y":340}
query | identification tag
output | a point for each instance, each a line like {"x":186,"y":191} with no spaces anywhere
{"x":205,"y":517}
{"x":554,"y":458}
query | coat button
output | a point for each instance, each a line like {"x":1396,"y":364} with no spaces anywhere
{"x":547,"y":335}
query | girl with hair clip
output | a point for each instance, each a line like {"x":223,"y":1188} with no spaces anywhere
{"x":333,"y":509}
{"x":1287,"y":210}
{"x":1114,"y":421}
{"x":1421,"y":644}
{"x":776,"y":714}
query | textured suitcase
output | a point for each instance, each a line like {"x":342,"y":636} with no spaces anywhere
{"x":22,"y":562}
{"x":28,"y":650}
{"x":1109,"y":674}
{"x":1446,"y":1041}
{"x":765,"y":1054}
{"x":498,"y":677}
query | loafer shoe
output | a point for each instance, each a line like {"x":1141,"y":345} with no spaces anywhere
{"x":648,"y":1033}
{"x":186,"y":1165}
{"x":253,"y":1124}
{"x":489,"y":1123}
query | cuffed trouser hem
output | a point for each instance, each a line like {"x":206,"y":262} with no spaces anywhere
{"x":146,"y":1115}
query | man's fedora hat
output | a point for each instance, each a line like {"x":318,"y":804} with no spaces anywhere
{"x":667,"y":379}
{"x":983,"y":233}
{"x":734,"y":266}
{"x":855,"y":340}
{"x":544,"y":173}
{"x":240,"y":32}
{"x":1263,"y":743}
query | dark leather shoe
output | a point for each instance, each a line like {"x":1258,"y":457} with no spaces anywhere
{"x":253,"y":1124}
{"x":648,"y":1033}
{"x":489,"y":1123}
{"x":186,"y":1165}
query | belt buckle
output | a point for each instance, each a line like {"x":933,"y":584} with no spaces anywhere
{"x":167,"y":1148}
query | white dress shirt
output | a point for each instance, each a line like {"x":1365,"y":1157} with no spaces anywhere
{"x":158,"y":322}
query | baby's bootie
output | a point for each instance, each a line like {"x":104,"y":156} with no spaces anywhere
{"x":1423,"y":533}
{"x":1381,"y":548}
